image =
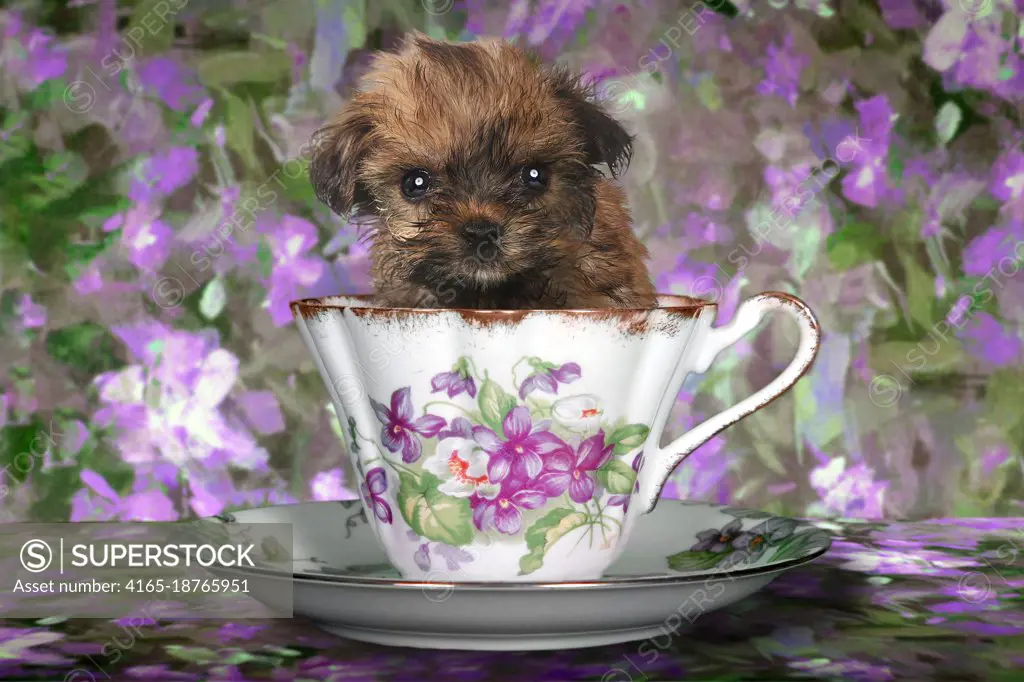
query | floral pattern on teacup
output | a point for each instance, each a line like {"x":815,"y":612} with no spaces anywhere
{"x":513,"y":465}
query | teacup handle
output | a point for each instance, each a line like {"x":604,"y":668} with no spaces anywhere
{"x":659,"y":466}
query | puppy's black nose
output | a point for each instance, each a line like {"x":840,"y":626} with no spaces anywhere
{"x":480,"y":231}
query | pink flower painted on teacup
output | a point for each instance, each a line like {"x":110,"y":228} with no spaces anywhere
{"x":521,"y":453}
{"x":547,"y":376}
{"x":462,"y":467}
{"x":505,"y":512}
{"x":399,"y":429}
{"x":373,"y":489}
{"x":575,"y":471}
{"x":577,"y":412}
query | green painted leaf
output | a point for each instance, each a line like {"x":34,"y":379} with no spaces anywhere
{"x":628,"y":437}
{"x":853,"y":244}
{"x":494,"y":404}
{"x":617,"y":477}
{"x":695,"y":561}
{"x":545,"y":532}
{"x":794,"y":546}
{"x":431,"y":513}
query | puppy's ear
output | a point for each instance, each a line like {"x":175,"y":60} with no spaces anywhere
{"x":605,"y":140}
{"x":338,"y":150}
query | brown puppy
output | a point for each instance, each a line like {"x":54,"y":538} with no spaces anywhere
{"x":476,"y":165}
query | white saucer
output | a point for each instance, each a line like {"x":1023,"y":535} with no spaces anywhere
{"x":343,"y":582}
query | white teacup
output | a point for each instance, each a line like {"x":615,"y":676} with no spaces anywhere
{"x":510,"y":446}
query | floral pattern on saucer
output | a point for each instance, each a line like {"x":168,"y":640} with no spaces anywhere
{"x":531,"y":463}
{"x":741,"y":540}
{"x":773,"y":539}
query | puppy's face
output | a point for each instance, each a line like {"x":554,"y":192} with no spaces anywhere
{"x":477,"y":163}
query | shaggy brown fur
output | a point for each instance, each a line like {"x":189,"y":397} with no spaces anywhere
{"x":435,"y":150}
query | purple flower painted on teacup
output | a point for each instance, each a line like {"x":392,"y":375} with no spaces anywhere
{"x":763,"y":535}
{"x":522,"y":451}
{"x":623,"y":500}
{"x":546,"y":377}
{"x":575,"y":470}
{"x":457,"y":381}
{"x":505,"y":511}
{"x":453,"y":556}
{"x":422,"y":557}
{"x":460,"y":427}
{"x":373,"y":489}
{"x":718,"y":540}
{"x":399,"y":429}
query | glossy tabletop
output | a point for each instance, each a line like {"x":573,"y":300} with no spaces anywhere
{"x":938,"y":600}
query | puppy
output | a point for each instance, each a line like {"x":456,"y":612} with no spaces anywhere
{"x":477,"y":167}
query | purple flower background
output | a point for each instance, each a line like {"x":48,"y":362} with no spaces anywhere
{"x":156,"y":218}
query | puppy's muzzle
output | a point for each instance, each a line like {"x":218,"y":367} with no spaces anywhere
{"x":482,"y":237}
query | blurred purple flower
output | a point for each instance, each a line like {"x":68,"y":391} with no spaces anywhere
{"x":163,"y":173}
{"x":145,"y":237}
{"x":849,"y":492}
{"x":168,"y":409}
{"x":97,"y":501}
{"x":36,"y":57}
{"x":172,"y":82}
{"x":1007,"y":182}
{"x":990,"y":342}
{"x":32,"y":314}
{"x":704,"y":475}
{"x":700,"y":230}
{"x":262,"y":411}
{"x":985,"y":251}
{"x":198,"y":116}
{"x":293,"y":270}
{"x":902,"y":14}
{"x":782,"y":69}
{"x":329,"y":485}
{"x":867,"y":182}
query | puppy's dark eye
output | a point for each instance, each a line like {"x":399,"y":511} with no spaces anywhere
{"x":535,"y":177}
{"x":415,"y":184}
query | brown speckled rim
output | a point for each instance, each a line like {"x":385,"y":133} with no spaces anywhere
{"x":687,"y":306}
